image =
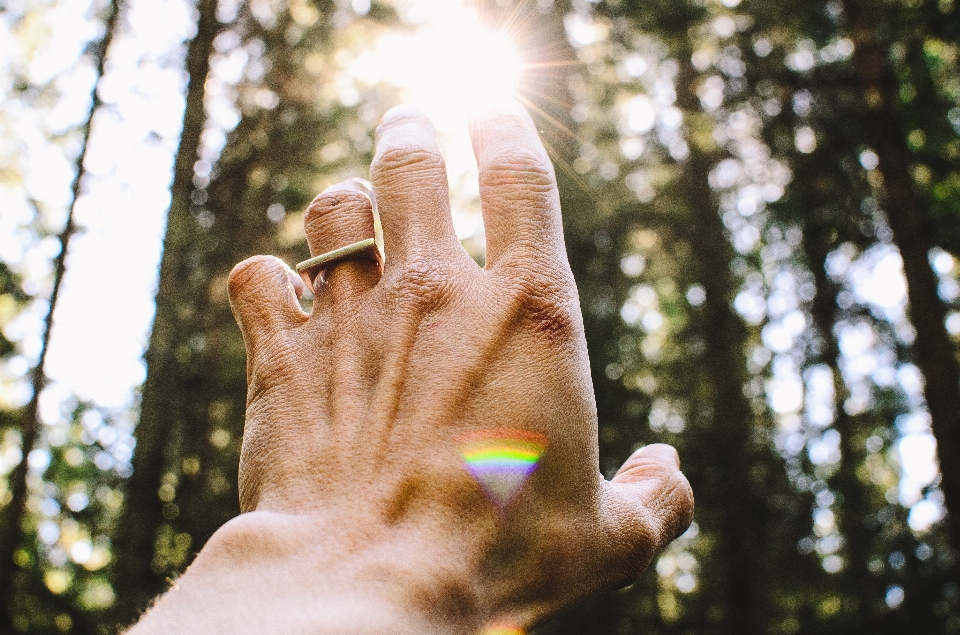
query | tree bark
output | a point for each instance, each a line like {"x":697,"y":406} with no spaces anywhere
{"x":136,"y":581}
{"x":934,"y":351}
{"x":11,"y":530}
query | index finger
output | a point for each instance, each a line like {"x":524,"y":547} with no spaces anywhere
{"x":518,"y":188}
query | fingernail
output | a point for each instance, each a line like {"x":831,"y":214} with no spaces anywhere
{"x":403,"y":111}
{"x":475,"y":118}
{"x":661,"y":450}
{"x":352,"y":185}
{"x":407,"y":123}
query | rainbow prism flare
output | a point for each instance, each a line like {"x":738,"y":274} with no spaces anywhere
{"x":501,"y":461}
{"x":502,"y":629}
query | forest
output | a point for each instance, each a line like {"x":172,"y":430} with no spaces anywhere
{"x":762,"y":212}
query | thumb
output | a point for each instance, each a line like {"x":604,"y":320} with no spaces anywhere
{"x":647,"y":504}
{"x":264,"y":296}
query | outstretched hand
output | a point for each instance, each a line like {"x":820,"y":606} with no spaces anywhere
{"x":365,"y":511}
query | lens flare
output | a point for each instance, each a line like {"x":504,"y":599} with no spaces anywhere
{"x":502,"y":629}
{"x":451,"y":66}
{"x":501,"y":461}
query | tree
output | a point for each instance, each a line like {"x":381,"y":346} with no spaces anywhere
{"x":11,"y":526}
{"x":935,"y":353}
{"x":135,"y":579}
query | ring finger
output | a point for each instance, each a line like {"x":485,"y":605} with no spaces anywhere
{"x":340,"y":220}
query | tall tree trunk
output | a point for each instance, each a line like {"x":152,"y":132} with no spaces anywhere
{"x":857,"y":507}
{"x":934,"y":350}
{"x":136,"y":581}
{"x":734,"y":450}
{"x":11,"y":530}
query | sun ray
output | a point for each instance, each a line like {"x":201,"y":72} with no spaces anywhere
{"x":465,"y":56}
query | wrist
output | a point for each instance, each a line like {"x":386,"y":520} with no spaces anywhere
{"x":266,"y":573}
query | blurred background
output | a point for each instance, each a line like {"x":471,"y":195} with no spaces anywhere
{"x":762,"y":210}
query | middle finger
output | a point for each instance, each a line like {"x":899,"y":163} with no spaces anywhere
{"x":410,"y":181}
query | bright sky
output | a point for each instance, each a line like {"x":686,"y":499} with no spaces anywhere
{"x":106,"y":305}
{"x":451,"y":66}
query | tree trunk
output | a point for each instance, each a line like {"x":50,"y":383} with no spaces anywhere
{"x":136,"y":581}
{"x":933,"y":348}
{"x":734,"y":452}
{"x":733,"y":449}
{"x":856,"y":504}
{"x":11,"y":530}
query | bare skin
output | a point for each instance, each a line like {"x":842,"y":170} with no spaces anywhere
{"x":359,"y":516}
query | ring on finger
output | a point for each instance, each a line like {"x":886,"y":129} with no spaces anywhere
{"x":333,"y":257}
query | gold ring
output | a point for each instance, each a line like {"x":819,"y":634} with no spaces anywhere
{"x":335,"y":255}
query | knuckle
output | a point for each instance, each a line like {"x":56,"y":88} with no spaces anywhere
{"x":643,"y":539}
{"x":425,"y":285}
{"x":528,"y":171}
{"x":406,"y":162}
{"x":248,"y":271}
{"x":546,"y":300}
{"x":670,"y":513}
{"x":669,"y":505}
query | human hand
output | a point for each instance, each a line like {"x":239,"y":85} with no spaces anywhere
{"x":359,"y":507}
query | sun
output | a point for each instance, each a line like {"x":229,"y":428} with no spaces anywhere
{"x":450,"y":66}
